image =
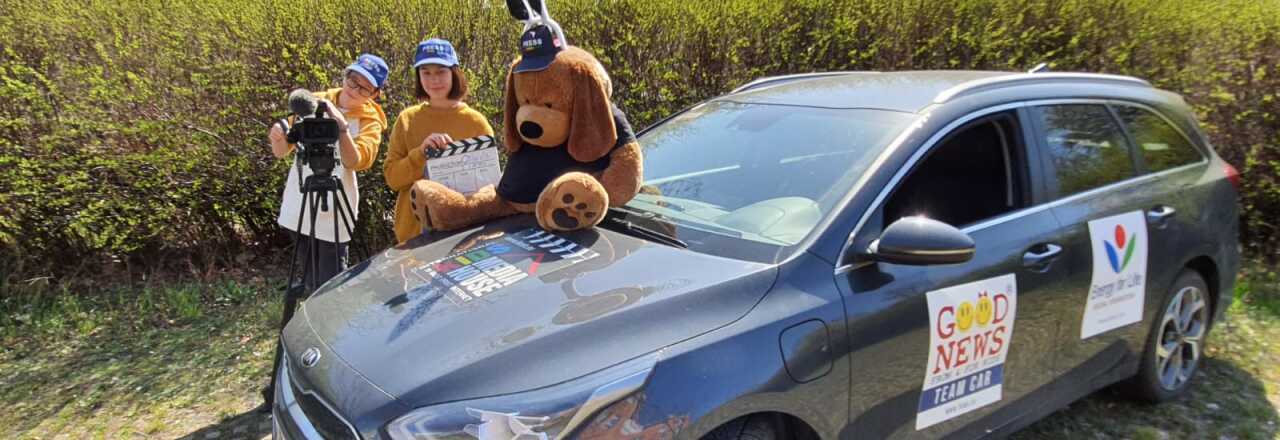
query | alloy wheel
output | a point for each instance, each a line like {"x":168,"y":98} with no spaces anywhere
{"x":1182,"y":330}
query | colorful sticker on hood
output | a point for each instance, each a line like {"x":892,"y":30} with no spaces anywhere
{"x":497,"y":263}
{"x":1119,"y":273}
{"x":970,"y":327}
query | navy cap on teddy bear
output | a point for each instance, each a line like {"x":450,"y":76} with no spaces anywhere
{"x":538,"y":48}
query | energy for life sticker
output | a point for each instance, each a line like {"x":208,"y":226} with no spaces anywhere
{"x":1119,"y":273}
{"x":970,"y":327}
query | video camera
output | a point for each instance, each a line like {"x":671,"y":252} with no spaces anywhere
{"x":315,"y":134}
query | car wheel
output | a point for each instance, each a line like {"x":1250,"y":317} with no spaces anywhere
{"x":756,"y":427}
{"x":1175,"y":345}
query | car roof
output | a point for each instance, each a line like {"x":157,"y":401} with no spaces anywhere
{"x":907,"y":91}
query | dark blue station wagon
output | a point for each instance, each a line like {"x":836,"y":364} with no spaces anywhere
{"x":825,"y":256}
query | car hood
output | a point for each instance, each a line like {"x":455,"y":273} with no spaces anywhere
{"x":509,"y":308}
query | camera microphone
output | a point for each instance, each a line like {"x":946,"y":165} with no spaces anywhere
{"x":302,"y":103}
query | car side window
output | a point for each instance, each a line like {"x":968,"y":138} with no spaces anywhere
{"x":1086,"y":147}
{"x":1162,"y":146}
{"x":977,"y":172}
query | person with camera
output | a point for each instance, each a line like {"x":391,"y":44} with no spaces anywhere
{"x":359,"y":121}
{"x":439,"y":118}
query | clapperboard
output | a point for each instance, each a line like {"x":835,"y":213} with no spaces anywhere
{"x":465,"y":165}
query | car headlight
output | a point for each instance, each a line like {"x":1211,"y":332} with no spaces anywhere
{"x":548,"y":413}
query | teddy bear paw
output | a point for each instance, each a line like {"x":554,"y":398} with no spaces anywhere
{"x":418,"y":202}
{"x":572,"y":201}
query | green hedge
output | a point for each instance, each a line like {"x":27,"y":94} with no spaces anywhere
{"x":132,"y":133}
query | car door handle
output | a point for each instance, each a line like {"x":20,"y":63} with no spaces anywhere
{"x":1040,"y":256}
{"x":1160,"y":215}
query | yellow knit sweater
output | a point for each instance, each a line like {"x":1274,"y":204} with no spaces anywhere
{"x":406,"y":159}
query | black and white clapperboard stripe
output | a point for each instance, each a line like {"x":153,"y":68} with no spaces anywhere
{"x":559,"y":246}
{"x":463,"y":146}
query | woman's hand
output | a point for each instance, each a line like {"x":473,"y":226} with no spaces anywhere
{"x":279,"y":142}
{"x":276,"y":134}
{"x":333,"y":113}
{"x":437,"y":141}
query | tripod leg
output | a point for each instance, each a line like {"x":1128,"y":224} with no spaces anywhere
{"x":291,"y":292}
{"x":344,"y":209}
{"x":290,"y":305}
{"x":347,"y":217}
{"x":313,"y":256}
{"x":297,"y":234}
{"x":337,"y":240}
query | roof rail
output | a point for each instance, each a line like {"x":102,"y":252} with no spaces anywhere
{"x":772,"y":80}
{"x":1020,"y":78}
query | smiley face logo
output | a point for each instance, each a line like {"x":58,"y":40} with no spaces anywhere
{"x":964,"y":316}
{"x":986,"y":309}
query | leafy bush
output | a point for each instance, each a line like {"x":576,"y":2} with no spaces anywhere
{"x":132,"y":133}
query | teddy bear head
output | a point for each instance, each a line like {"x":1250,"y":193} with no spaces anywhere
{"x":564,"y":105}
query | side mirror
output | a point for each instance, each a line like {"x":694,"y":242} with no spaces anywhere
{"x":921,"y":241}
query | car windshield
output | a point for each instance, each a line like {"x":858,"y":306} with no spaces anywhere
{"x":751,"y":180}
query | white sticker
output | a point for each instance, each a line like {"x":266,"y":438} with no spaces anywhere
{"x":970,"y":328}
{"x":465,"y":165}
{"x":1119,"y":273}
{"x":496,"y":425}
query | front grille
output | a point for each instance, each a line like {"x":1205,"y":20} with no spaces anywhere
{"x":329,"y":424}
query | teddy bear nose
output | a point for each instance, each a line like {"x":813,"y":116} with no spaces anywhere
{"x":530,"y":130}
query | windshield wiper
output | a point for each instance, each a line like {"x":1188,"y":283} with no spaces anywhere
{"x":641,"y":231}
{"x":691,"y":223}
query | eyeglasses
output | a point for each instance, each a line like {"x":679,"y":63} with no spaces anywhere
{"x":351,"y":82}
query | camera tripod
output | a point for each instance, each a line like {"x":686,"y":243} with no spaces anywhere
{"x":317,"y":190}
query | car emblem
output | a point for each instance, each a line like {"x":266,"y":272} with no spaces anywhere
{"x":310,"y":357}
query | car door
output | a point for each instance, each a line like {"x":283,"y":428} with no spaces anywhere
{"x":945,"y":348}
{"x":1171,"y":169}
{"x":1091,"y":176}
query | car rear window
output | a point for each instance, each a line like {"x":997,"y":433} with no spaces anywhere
{"x":1087,"y":149}
{"x":1163,"y":146}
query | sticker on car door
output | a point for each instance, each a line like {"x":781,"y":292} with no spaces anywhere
{"x":1119,"y":273}
{"x":970,"y":327}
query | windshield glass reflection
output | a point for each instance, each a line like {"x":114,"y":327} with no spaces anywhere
{"x":746,"y":180}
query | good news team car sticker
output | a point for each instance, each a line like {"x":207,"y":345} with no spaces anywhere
{"x":1119,"y":273}
{"x":499,"y":262}
{"x":970,"y":327}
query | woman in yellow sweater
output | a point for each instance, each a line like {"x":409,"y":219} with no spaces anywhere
{"x":439,"y":119}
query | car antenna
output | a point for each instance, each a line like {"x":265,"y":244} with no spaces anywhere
{"x":1039,"y":68}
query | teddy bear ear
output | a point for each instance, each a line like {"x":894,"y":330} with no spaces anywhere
{"x":519,"y":12}
{"x":591,"y":130}
{"x":510,"y":105}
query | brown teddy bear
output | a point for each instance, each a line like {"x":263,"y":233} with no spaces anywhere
{"x":571,"y":152}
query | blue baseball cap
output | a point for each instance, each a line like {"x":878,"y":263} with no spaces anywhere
{"x":435,"y":51}
{"x":372,"y":67}
{"x":538,"y":48}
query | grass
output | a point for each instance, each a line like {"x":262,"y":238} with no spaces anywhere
{"x":185,"y":360}
{"x":143,"y":362}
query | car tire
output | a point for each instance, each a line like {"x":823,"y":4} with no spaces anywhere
{"x":1175,"y":345}
{"x":755,"y":427}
